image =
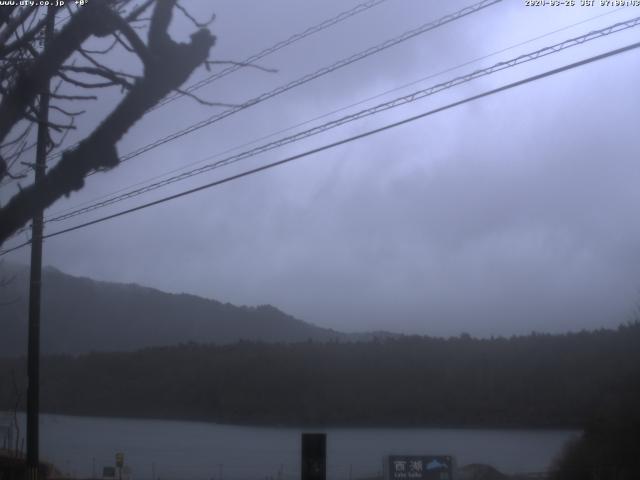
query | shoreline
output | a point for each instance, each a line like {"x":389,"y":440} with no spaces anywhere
{"x":316,"y":426}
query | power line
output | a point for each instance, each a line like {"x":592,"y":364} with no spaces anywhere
{"x":307,"y":78}
{"x":403,"y":100}
{"x":552,"y":49}
{"x":312,"y":76}
{"x":341,"y":109}
{"x":246,"y":173}
{"x":342,"y":16}
{"x":274,"y":48}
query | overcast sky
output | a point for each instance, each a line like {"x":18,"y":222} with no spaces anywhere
{"x":514,"y":213}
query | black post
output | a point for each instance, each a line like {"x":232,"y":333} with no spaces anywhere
{"x":314,"y":456}
{"x":33,"y":361}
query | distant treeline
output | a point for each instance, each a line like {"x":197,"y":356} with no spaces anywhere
{"x":534,"y":381}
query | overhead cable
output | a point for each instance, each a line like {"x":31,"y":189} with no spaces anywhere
{"x":311,"y":76}
{"x":362,"y":7}
{"x":328,"y":114}
{"x":307,"y":153}
{"x":382,"y":107}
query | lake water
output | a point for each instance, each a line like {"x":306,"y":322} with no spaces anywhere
{"x":166,"y":450}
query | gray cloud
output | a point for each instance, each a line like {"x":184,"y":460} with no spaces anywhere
{"x":510,"y":214}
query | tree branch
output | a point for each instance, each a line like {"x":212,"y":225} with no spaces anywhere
{"x":136,"y":12}
{"x":113,"y":82}
{"x":25,"y":40}
{"x":13,"y":23}
{"x":33,"y":80}
{"x":169,"y":65}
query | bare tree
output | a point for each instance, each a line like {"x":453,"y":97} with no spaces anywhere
{"x":27,"y":69}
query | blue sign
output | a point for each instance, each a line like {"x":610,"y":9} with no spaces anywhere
{"x":420,"y":467}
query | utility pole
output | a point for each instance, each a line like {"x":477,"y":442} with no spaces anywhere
{"x":33,"y":354}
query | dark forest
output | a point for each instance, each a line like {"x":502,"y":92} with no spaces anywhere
{"x":538,"y":380}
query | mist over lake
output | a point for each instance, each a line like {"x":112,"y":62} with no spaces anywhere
{"x":195,"y":450}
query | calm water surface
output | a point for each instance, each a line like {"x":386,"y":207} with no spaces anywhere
{"x":168,"y":450}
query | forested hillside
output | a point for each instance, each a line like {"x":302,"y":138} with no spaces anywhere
{"x":80,"y":315}
{"x":537,"y":380}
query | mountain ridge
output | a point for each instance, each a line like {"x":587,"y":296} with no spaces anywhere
{"x":80,"y":315}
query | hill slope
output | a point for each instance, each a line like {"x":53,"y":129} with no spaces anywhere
{"x":82,"y":315}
